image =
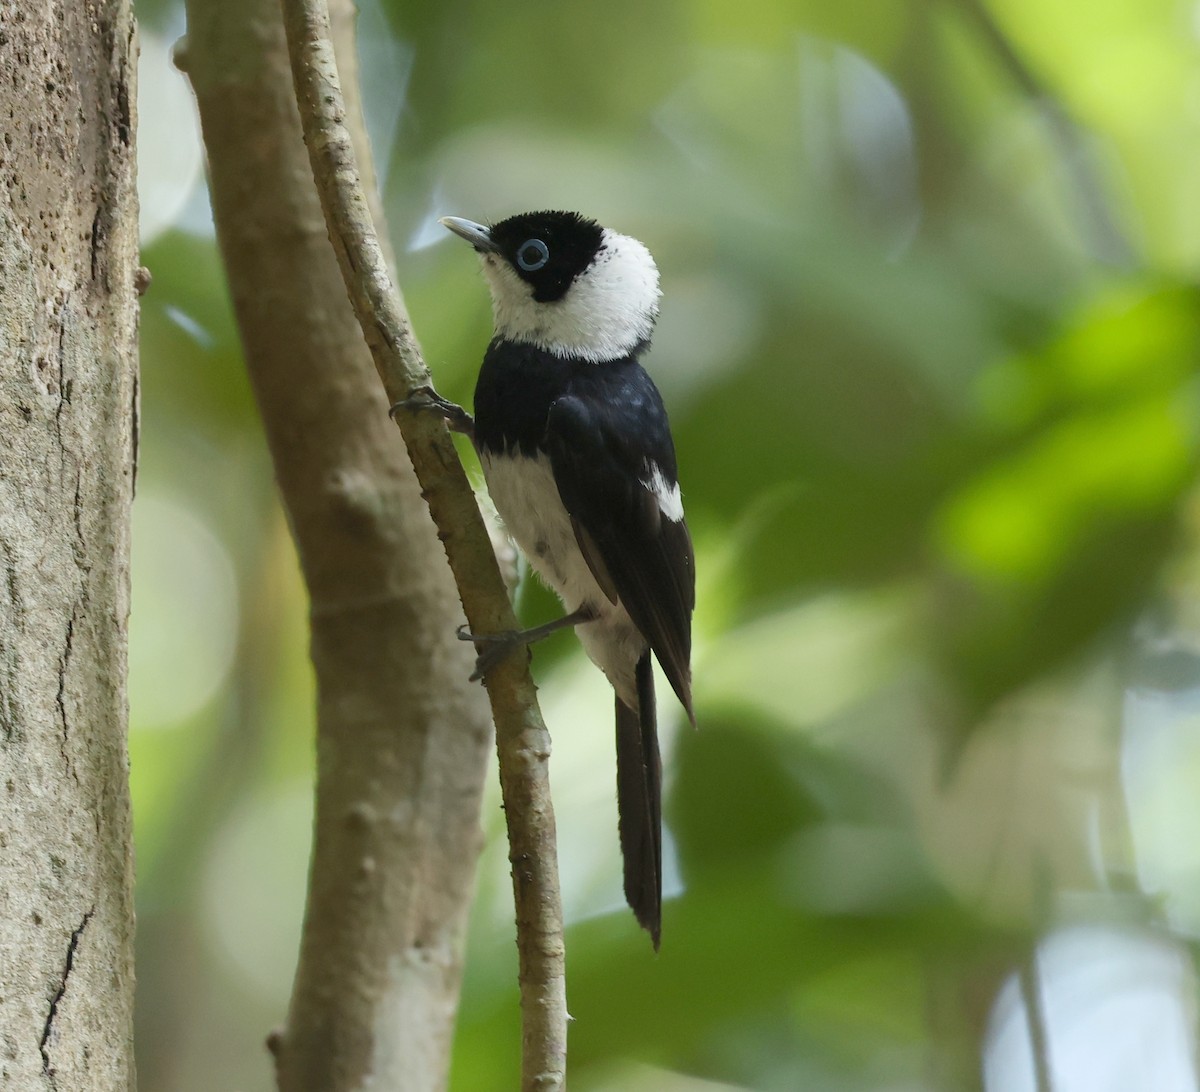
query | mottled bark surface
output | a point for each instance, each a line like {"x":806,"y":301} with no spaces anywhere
{"x":403,"y":738}
{"x":68,"y":255}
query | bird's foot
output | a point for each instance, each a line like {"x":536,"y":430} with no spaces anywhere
{"x":498,"y":646}
{"x":495,"y":648}
{"x":425,"y":399}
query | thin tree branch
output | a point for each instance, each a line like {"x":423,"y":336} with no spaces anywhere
{"x":1030,"y":979}
{"x":522,"y":741}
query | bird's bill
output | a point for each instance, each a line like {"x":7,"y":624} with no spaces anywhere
{"x":475,"y":234}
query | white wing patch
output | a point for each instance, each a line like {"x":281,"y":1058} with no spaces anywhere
{"x":670,"y":500}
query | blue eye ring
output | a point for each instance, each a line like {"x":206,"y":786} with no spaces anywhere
{"x":532,"y":255}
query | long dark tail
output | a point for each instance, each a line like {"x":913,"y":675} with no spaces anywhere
{"x":639,"y":803}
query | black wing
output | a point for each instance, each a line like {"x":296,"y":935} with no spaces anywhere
{"x":605,"y":444}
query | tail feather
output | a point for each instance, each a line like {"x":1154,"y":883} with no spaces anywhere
{"x":639,"y":803}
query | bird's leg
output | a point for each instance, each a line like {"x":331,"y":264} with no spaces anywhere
{"x":499,"y":645}
{"x":425,"y":399}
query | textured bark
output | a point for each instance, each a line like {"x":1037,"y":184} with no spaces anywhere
{"x":402,"y":737}
{"x":68,"y":256}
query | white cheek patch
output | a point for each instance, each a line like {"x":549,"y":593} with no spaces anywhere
{"x":606,"y":312}
{"x":670,"y":500}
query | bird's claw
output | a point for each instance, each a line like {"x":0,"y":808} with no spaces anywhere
{"x":491,"y":657}
{"x":505,"y":636}
{"x":497,"y":647}
{"x":425,"y":399}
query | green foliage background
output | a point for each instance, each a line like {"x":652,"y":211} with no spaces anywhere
{"x":930,"y":343}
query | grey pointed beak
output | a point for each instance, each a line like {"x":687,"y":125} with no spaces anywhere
{"x":475,"y":234}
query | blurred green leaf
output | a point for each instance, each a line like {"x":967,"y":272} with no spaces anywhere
{"x":1063,"y":534}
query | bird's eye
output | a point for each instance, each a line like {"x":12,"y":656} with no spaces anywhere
{"x":533,"y":255}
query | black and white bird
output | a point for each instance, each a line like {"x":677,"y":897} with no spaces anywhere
{"x":578,"y":457}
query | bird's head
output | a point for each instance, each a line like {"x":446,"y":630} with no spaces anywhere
{"x":565,"y":284}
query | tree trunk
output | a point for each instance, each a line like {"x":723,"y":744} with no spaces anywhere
{"x":403,"y":739}
{"x":68,"y":387}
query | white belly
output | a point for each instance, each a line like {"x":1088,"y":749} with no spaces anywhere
{"x":527,"y":499}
